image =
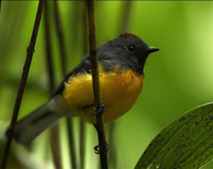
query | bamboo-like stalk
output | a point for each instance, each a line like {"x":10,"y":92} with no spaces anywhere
{"x":69,"y":123}
{"x":0,"y":6}
{"x":30,"y":51}
{"x":112,"y":152}
{"x":72,"y":147}
{"x":96,"y":85}
{"x":49,"y":63}
{"x":60,"y":38}
{"x":55,"y":135}
{"x":82,"y":143}
{"x":126,"y":7}
{"x":82,"y":123}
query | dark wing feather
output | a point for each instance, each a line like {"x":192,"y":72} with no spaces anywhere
{"x":85,"y":66}
{"x":106,"y":58}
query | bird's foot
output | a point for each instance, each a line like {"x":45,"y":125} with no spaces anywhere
{"x":100,"y":111}
{"x":101,"y":149}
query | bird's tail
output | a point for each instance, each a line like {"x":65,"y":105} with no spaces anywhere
{"x":36,"y":122}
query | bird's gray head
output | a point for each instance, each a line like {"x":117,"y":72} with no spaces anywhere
{"x":127,"y":51}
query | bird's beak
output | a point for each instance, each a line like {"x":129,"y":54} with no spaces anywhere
{"x":152,"y":49}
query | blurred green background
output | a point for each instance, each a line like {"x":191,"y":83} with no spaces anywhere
{"x":178,"y":77}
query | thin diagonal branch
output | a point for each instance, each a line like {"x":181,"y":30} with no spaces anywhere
{"x":22,"y":84}
{"x":55,"y":139}
{"x":96,"y":85}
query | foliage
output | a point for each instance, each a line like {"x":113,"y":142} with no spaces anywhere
{"x":186,"y":143}
{"x":178,"y":78}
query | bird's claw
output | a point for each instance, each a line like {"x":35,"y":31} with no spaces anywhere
{"x":101,"y":149}
{"x":100,"y":111}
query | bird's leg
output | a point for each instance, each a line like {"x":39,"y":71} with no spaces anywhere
{"x":99,"y":149}
{"x":100,"y":111}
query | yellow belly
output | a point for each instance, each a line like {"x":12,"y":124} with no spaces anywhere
{"x":119,"y":92}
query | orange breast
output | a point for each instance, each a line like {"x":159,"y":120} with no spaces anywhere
{"x":119,"y":92}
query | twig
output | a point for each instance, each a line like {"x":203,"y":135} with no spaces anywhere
{"x":0,"y":6}
{"x":126,"y":7}
{"x":84,"y":31}
{"x":72,"y":149}
{"x":55,"y":139}
{"x":49,"y":64}
{"x":69,"y":122}
{"x":112,"y":152}
{"x":82,"y":123}
{"x":74,"y":24}
{"x":96,"y":86}
{"x":55,"y":146}
{"x":61,"y":38}
{"x":82,"y":143}
{"x":22,"y":84}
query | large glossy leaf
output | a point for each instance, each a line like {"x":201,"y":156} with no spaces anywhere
{"x":185,"y":143}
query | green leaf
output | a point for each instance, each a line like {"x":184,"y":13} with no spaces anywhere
{"x":185,"y":143}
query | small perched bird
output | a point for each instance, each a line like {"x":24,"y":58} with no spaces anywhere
{"x":120,"y":63}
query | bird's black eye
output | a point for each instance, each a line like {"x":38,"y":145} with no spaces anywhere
{"x":131,"y":48}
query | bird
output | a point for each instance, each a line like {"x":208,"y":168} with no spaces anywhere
{"x":120,"y":63}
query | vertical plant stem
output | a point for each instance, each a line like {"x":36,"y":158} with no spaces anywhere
{"x":0,"y":6}
{"x":82,"y":143}
{"x":55,"y":136}
{"x":82,"y":123}
{"x":69,"y":122}
{"x":85,"y":28}
{"x":55,"y":146}
{"x":60,"y":38}
{"x":112,"y":152}
{"x":49,"y":63}
{"x":125,"y":15}
{"x":72,"y":147}
{"x":96,"y":85}
{"x":22,"y":84}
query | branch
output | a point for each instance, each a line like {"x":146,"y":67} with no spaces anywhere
{"x":71,"y":140}
{"x":96,"y":87}
{"x":126,"y":7}
{"x":82,"y":122}
{"x":60,"y":38}
{"x":22,"y":84}
{"x":0,"y":6}
{"x":55,"y":139}
{"x":49,"y":64}
{"x":69,"y":123}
